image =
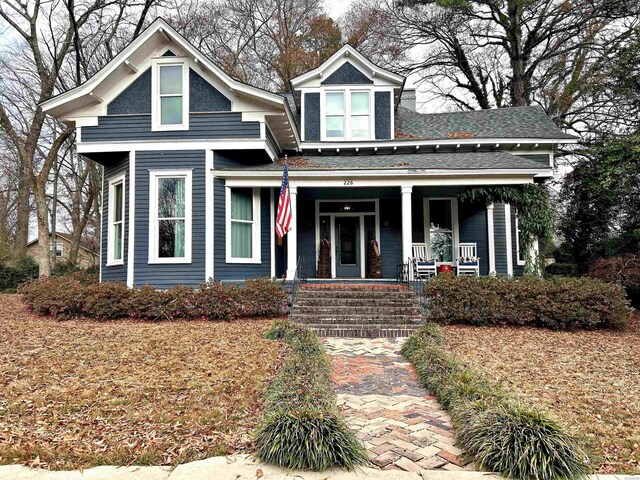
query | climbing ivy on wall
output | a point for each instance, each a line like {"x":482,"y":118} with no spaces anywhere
{"x":536,"y":215}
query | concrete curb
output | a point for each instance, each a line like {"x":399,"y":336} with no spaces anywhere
{"x":245,"y":467}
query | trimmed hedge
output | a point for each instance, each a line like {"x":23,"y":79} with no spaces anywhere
{"x":559,"y":303}
{"x":498,"y":433}
{"x":73,"y":296}
{"x":302,"y":427}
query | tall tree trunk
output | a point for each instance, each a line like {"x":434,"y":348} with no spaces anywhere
{"x":44,"y":241}
{"x":22,"y":212}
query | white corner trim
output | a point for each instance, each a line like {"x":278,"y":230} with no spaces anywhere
{"x":154,"y":175}
{"x":255,"y":230}
{"x":209,"y":212}
{"x":101,"y":220}
{"x":507,"y":229}
{"x":131,"y":217}
{"x":113,"y":182}
{"x":491,"y":238}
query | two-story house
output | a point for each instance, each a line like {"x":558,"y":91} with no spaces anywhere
{"x":192,"y":163}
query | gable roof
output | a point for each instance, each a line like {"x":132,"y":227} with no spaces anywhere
{"x":68,"y":238}
{"x":509,"y":122}
{"x":350,"y":52}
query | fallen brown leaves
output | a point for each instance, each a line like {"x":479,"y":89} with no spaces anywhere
{"x":79,"y":394}
{"x":590,"y":380}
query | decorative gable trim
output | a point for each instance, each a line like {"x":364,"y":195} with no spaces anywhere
{"x":347,"y":74}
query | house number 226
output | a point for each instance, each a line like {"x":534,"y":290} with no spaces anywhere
{"x":348,"y":182}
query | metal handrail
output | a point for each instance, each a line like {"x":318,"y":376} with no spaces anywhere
{"x":300,"y":276}
{"x":416,"y":284}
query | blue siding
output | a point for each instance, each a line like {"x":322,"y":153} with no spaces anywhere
{"x":311,"y":117}
{"x":169,"y":275}
{"x":347,"y":74}
{"x":204,"y":97}
{"x":202,"y":126}
{"x":500,"y":233}
{"x":473,"y":228}
{"x":224,"y":271}
{"x":383,"y":115}
{"x":390,"y":235}
{"x":116,"y":273}
{"x":136,"y":98}
{"x":307,"y":234}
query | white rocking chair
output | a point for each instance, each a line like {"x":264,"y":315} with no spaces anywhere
{"x":422,"y":266}
{"x":468,"y":262}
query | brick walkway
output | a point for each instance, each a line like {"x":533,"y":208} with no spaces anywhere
{"x":399,"y":422}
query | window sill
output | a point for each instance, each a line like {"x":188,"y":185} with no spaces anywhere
{"x":169,"y":261}
{"x":520,"y":263}
{"x":115,"y":263}
{"x":169,"y":128}
{"x":255,"y":261}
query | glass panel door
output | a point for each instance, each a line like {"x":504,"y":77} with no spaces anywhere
{"x":348,"y":247}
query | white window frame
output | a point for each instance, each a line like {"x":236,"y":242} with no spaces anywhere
{"x":156,"y":125}
{"x":520,"y":261}
{"x":455,"y":226}
{"x":54,"y":249}
{"x":154,"y":253}
{"x":255,"y":232}
{"x":120,"y":179}
{"x":347,"y":91}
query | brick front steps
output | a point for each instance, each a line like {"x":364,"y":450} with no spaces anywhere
{"x":362,"y":311}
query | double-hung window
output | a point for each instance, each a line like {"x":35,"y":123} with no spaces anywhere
{"x":170,"y":217}
{"x":115,"y":234}
{"x":347,"y":115}
{"x":440,"y":228}
{"x":170,"y":89}
{"x":243,"y":225}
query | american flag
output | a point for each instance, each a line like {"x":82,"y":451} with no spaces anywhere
{"x":283,"y":218}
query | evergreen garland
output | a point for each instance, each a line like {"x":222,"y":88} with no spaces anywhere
{"x":536,"y":215}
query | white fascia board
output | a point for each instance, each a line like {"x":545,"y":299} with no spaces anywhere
{"x":239,"y":144}
{"x":358,"y":56}
{"x":119,"y":59}
{"x":382,"y":182}
{"x":382,"y":173}
{"x":446,"y":141}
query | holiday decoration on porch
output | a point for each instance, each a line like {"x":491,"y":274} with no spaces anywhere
{"x":324,"y":259}
{"x":374,"y":260}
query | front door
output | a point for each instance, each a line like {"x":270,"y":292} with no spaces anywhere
{"x":348,"y":247}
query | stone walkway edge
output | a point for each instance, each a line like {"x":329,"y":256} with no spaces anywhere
{"x":244,"y":467}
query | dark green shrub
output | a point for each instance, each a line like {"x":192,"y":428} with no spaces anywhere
{"x":559,"y":303}
{"x":561,"y":269}
{"x":302,"y":427}
{"x":149,"y":303}
{"x":12,"y":276}
{"x":498,"y":433}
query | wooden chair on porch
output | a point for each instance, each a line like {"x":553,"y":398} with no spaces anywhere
{"x":468,"y":262}
{"x":422,"y":266}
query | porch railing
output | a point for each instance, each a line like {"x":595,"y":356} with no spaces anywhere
{"x":416,"y":284}
{"x":299,"y":277}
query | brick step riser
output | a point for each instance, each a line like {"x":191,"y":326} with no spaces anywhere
{"x":387,"y":294}
{"x":310,"y":320}
{"x":359,"y":310}
{"x":354,"y":302}
{"x":364,"y":331}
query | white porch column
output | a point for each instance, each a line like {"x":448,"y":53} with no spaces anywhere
{"x":292,"y":235}
{"x":406,"y":225}
{"x":492,"y":242}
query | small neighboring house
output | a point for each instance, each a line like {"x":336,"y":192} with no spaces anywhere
{"x":192,"y":164}
{"x":62,"y":248}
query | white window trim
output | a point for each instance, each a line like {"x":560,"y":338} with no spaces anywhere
{"x":347,"y":91}
{"x":455,"y":226}
{"x":519,"y":261}
{"x":255,"y":232}
{"x":120,"y":179}
{"x":154,"y":254}
{"x":155,"y":93}
{"x":54,"y":249}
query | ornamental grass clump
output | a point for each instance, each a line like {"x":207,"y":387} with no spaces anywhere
{"x":497,"y":432}
{"x":302,"y":427}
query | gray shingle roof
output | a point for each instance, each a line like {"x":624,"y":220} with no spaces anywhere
{"x":513,"y":122}
{"x":411,"y":161}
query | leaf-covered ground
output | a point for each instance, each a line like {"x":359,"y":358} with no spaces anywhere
{"x":589,"y":380}
{"x":85,"y":393}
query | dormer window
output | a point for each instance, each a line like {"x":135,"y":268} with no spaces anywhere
{"x":170,"y":88}
{"x":347,"y":114}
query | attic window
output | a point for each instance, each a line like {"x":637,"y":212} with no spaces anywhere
{"x":347,"y":114}
{"x":170,"y":94}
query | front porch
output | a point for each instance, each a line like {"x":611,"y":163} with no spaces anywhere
{"x":340,"y":231}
